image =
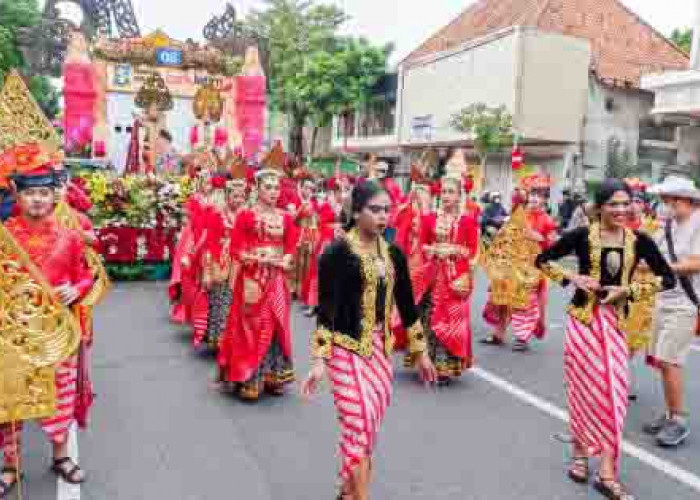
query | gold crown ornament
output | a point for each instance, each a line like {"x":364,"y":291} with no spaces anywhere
{"x":273,"y":163}
{"x":21,"y":119}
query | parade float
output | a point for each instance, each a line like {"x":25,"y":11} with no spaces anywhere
{"x":141,"y":114}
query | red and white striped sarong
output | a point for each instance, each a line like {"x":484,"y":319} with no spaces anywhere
{"x":526,"y":321}
{"x":55,"y":427}
{"x":597,"y":379}
{"x":362,"y":392}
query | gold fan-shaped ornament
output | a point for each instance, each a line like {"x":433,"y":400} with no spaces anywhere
{"x":21,"y":119}
{"x":510,"y":263}
{"x":36,"y":333}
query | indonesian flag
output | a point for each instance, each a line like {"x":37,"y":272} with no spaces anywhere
{"x":516,"y":158}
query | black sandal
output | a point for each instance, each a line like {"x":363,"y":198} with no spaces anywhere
{"x":578,"y":470}
{"x":7,"y":488}
{"x":67,"y":474}
{"x":611,"y":489}
{"x":520,"y":346}
{"x":491,"y":340}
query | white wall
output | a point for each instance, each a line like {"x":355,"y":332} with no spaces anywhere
{"x":541,"y":78}
{"x":554,"y":87}
{"x":484,"y":73}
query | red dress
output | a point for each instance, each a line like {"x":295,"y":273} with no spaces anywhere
{"x":308,"y":224}
{"x":409,"y":229}
{"x":447,"y":308}
{"x":185,"y":291}
{"x":257,"y":342}
{"x":59,"y":253}
{"x":328,"y":222}
{"x":215,"y":267}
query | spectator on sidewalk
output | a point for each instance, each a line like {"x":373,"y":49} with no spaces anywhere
{"x":676,"y":312}
{"x":566,"y":208}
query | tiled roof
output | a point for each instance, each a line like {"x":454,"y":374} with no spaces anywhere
{"x":624,"y":47}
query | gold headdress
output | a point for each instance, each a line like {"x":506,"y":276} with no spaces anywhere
{"x":422,"y":169}
{"x":510,"y":263}
{"x":456,"y":167}
{"x":21,"y":118}
{"x":239,"y":172}
{"x":273,"y":163}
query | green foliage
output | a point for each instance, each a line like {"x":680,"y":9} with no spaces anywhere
{"x":491,"y":129}
{"x":313,"y":73}
{"x":620,"y":164}
{"x":592,"y":187}
{"x":46,"y":95}
{"x":683,"y":38}
{"x":330,"y":82}
{"x":232,"y":65}
{"x":16,"y":14}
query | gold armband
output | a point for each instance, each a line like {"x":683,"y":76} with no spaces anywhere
{"x":416,"y":338}
{"x":554,"y":272}
{"x":321,"y":343}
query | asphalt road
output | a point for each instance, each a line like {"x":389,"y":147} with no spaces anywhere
{"x":160,"y":431}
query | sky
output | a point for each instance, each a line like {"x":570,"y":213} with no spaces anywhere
{"x":406,"y":23}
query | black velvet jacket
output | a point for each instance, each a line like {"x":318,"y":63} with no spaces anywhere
{"x":353,"y":299}
{"x":586,"y":245}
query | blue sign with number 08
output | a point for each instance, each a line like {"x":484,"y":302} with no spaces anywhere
{"x":169,"y":57}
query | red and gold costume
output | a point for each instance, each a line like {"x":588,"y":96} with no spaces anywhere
{"x":409,"y":222}
{"x":638,"y":323}
{"x":306,"y":268}
{"x":215,"y":263}
{"x":528,"y":321}
{"x":256,"y":349}
{"x":56,"y":255}
{"x":185,"y":289}
{"x":257,"y":343}
{"x":59,"y":255}
{"x":450,"y":242}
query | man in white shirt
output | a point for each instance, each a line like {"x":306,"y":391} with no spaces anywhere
{"x":676,"y":313}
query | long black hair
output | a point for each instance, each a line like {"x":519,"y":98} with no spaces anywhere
{"x":362,"y":193}
{"x":608,"y":188}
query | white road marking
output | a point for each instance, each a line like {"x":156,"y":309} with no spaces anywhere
{"x":64,"y":490}
{"x":679,"y":474}
{"x":695,"y":348}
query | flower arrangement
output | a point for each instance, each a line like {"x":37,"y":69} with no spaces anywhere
{"x":141,"y":202}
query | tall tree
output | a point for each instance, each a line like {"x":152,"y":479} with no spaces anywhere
{"x":683,"y":38}
{"x":302,"y":43}
{"x":332,"y":82}
{"x":491,"y":129}
{"x":16,"y":14}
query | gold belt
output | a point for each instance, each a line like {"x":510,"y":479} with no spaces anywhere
{"x":264,"y":252}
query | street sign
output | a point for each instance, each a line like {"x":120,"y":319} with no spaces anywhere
{"x":168,"y":57}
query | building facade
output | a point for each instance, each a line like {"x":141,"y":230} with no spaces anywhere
{"x":568,"y":71}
